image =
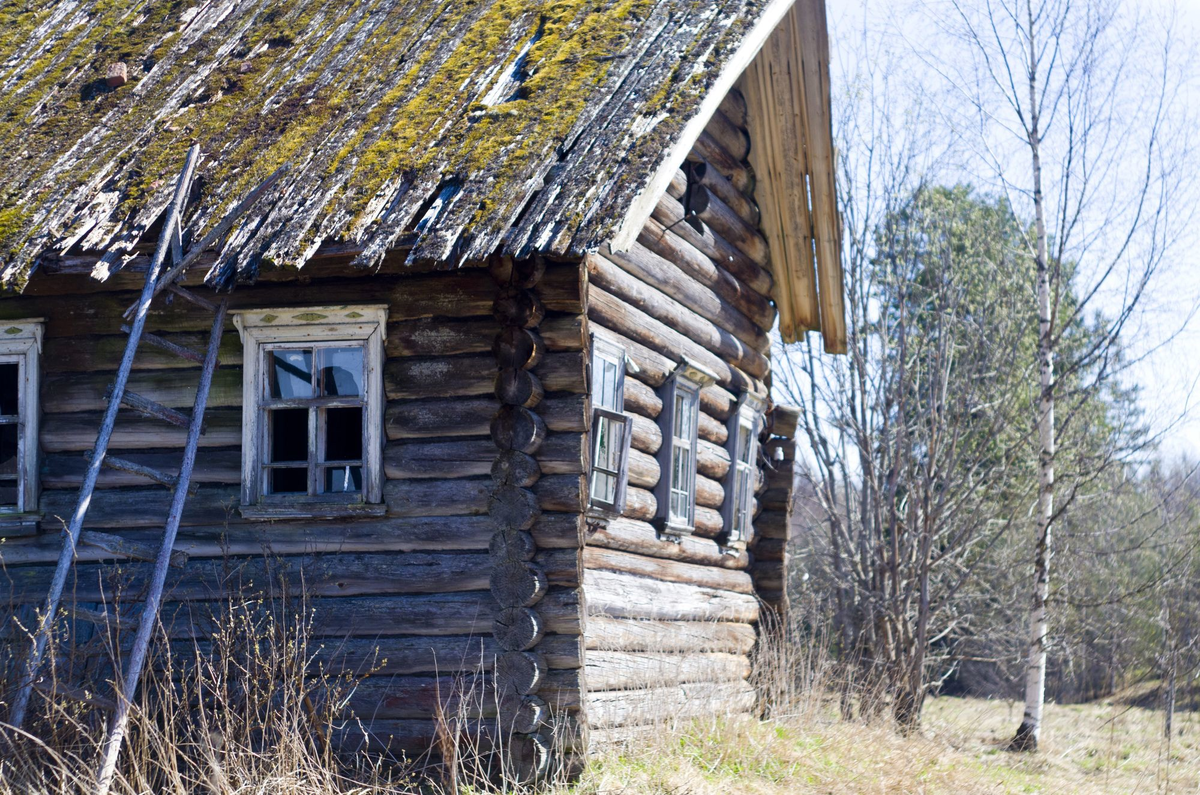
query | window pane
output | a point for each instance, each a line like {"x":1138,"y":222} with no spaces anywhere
{"x":9,"y":462}
{"x":341,"y":371}
{"x":606,"y":384}
{"x":744,"y":439}
{"x":10,"y":388}
{"x":288,"y":481}
{"x":343,"y":435}
{"x":289,"y":435}
{"x":291,"y":373}
{"x":343,"y":480}
{"x":604,"y":487}
{"x":8,"y":494}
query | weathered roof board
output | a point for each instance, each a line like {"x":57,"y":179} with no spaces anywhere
{"x":548,"y":116}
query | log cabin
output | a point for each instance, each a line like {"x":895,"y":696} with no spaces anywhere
{"x":494,"y":380}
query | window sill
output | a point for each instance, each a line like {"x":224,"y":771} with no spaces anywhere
{"x":19,"y":525}
{"x":270,"y":512}
{"x":674,"y":532}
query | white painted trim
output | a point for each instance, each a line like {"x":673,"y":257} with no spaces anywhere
{"x":21,"y":342}
{"x":643,"y":204}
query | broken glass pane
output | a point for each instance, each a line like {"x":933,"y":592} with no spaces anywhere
{"x":291,"y":373}
{"x":343,"y":435}
{"x":342,"y":480}
{"x":9,"y":463}
{"x":289,"y":435}
{"x":341,"y":371}
{"x":289,"y":481}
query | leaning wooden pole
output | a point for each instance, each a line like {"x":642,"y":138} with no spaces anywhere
{"x":67,"y":555}
{"x":149,"y":617}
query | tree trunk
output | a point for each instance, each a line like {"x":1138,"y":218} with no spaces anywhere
{"x":1026,"y":738}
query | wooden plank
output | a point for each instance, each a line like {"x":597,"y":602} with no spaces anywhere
{"x":65,"y":470}
{"x":77,"y":432}
{"x":624,"y":595}
{"x":622,"y":670}
{"x":640,"y":538}
{"x":626,"y":634}
{"x":667,"y":570}
{"x":661,"y":705}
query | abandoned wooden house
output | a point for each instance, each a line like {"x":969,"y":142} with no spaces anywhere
{"x":457,"y":319}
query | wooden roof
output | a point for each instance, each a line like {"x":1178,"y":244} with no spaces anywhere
{"x":456,"y":128}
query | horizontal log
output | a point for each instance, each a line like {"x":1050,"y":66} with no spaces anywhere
{"x":441,"y":497}
{"x":709,"y":523}
{"x":734,"y":108}
{"x":715,"y":181}
{"x":141,"y":507}
{"x":640,"y":504}
{"x":772,"y":524}
{"x":561,"y":287}
{"x":559,"y":454}
{"x":560,"y":493}
{"x":77,"y":432}
{"x":66,"y":470}
{"x":709,"y":493}
{"x":413,"y":534}
{"x":74,"y":392}
{"x":769,"y":549}
{"x":437,"y":614}
{"x":666,"y":570}
{"x":626,"y":634}
{"x":473,"y":375}
{"x":647,"y":436}
{"x":624,"y":595}
{"x":620,"y":670}
{"x":712,"y":459}
{"x":667,"y":704}
{"x":668,"y":213}
{"x":631,"y":535}
{"x":612,"y":312}
{"x":749,"y":290}
{"x":104,"y":351}
{"x":657,"y":304}
{"x":662,"y":274}
{"x":732,"y":138}
{"x":448,"y":655}
{"x":736,"y":171}
{"x":470,"y":696}
{"x":473,"y":416}
{"x":643,"y":470}
{"x":732,"y":228}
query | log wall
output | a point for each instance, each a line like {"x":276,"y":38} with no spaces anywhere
{"x":670,"y":624}
{"x":483,"y":516}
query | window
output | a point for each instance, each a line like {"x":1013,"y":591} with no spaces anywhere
{"x":313,"y":410}
{"x":679,"y":420}
{"x":611,"y":428}
{"x":742,"y":444}
{"x":20,"y":348}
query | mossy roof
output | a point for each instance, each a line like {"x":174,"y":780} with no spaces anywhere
{"x":536,"y":124}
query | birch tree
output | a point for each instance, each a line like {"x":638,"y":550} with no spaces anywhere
{"x":1076,"y":113}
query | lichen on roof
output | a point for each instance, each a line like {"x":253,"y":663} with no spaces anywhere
{"x":529,"y":120}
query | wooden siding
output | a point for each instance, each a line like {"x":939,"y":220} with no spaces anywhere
{"x":670,"y":625}
{"x":412,"y":587}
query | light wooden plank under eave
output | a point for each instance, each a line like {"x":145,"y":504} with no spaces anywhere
{"x":814,"y":53}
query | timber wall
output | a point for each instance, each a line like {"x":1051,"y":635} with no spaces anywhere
{"x":407,"y":595}
{"x":670,"y":625}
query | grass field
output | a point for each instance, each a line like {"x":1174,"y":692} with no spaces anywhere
{"x":1104,"y":747}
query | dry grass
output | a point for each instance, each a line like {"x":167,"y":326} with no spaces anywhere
{"x":1095,"y":748}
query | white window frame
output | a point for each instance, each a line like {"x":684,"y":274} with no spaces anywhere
{"x":21,"y":344}
{"x":608,"y":410}
{"x":744,"y":424}
{"x":685,"y":383}
{"x":262,"y":330}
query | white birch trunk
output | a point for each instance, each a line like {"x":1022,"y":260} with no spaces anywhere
{"x":1029,"y":731}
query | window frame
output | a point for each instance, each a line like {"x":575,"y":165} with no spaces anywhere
{"x":21,"y":344}
{"x":607,"y":352}
{"x":265,"y":330}
{"x":686,"y":381}
{"x":746,"y":420}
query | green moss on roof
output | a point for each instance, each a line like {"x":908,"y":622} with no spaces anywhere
{"x":373,"y":104}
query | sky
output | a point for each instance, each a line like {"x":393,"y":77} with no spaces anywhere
{"x":1165,"y":336}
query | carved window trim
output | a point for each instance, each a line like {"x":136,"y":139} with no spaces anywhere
{"x":737,"y":512}
{"x":676,"y":489}
{"x":21,"y":344}
{"x":264,"y":330}
{"x":609,"y":458}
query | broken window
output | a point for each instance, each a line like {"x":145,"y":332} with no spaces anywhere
{"x":20,"y":346}
{"x":316,"y":422}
